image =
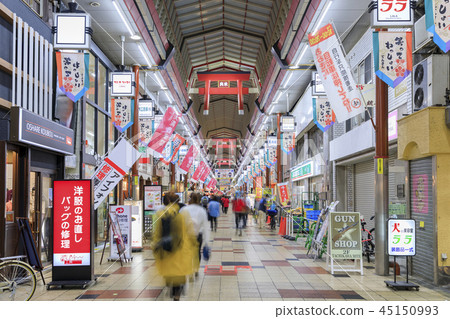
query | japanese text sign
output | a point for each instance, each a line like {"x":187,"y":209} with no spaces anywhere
{"x":401,"y":237}
{"x":323,"y":115}
{"x":120,"y":231}
{"x":392,"y":56}
{"x":345,"y":230}
{"x":437,"y":19}
{"x":288,"y":142}
{"x":164,"y":131}
{"x":72,"y":223}
{"x":176,"y":141}
{"x":73,"y":74}
{"x":346,"y":101}
{"x":122,"y":84}
{"x":111,"y":171}
{"x":198,"y":171}
{"x":122,"y":113}
{"x":204,"y":174}
{"x":283,"y":192}
{"x":145,"y":130}
{"x":188,"y":159}
{"x":392,"y":13}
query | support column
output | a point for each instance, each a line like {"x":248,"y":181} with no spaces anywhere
{"x":381,"y":179}
{"x":207,"y":97}
{"x":135,"y":132}
{"x":240,"y":98}
{"x":279,"y":173}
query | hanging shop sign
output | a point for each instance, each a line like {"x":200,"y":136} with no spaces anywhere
{"x":223,"y":84}
{"x":152,"y":197}
{"x":323,"y":115}
{"x":145,"y":130}
{"x":204,"y":174}
{"x":164,"y":131}
{"x":437,"y":21}
{"x":198,"y":171}
{"x":283,"y":193}
{"x":392,"y":56}
{"x":392,"y":13}
{"x":122,"y":113}
{"x":335,"y":73}
{"x":72,"y":31}
{"x":259,"y":192}
{"x":146,"y":109}
{"x":345,"y":230}
{"x":420,"y":193}
{"x":288,"y":142}
{"x":271,"y":156}
{"x":121,"y":219}
{"x":401,"y":237}
{"x":272,"y":141}
{"x":113,"y":168}
{"x":212,"y":183}
{"x":73,"y":74}
{"x":188,"y":160}
{"x":317,"y":86}
{"x":262,"y":166}
{"x":72,"y":240}
{"x":184,"y":150}
{"x":287,"y":123}
{"x":30,"y":128}
{"x":122,"y":84}
{"x":368,"y":93}
{"x":224,"y":173}
{"x":173,"y":146}
{"x":302,"y":171}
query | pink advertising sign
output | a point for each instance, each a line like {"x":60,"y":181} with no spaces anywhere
{"x":392,"y":125}
{"x":164,"y":131}
{"x":420,"y":193}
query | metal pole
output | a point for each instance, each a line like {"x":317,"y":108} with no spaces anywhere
{"x":381,"y":179}
{"x":135,"y":132}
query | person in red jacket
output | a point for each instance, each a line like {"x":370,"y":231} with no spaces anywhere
{"x":225,"y":204}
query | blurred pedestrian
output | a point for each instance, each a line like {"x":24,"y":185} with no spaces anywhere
{"x":174,"y":245}
{"x":214,"y":212}
{"x":262,"y":210}
{"x":225,"y":204}
{"x":239,"y":209}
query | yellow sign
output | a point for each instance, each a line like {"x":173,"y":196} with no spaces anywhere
{"x":422,"y":224}
{"x":259,"y":192}
{"x":380,"y":165}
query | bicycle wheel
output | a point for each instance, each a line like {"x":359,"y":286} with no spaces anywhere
{"x":17,"y":281}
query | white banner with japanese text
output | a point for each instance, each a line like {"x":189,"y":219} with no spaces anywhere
{"x":122,"y":113}
{"x":437,"y":19}
{"x":73,"y":74}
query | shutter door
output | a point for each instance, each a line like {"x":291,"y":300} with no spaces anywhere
{"x":420,"y":176}
{"x":365,"y":191}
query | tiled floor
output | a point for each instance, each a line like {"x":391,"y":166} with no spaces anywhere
{"x":259,"y":265}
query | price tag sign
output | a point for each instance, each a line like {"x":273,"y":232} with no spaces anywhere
{"x":401,"y":237}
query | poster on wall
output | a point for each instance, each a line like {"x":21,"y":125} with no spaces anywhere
{"x":120,"y":232}
{"x":122,"y":113}
{"x":392,"y":56}
{"x":420,"y":193}
{"x":152,"y":197}
{"x":345,"y":239}
{"x":73,"y":74}
{"x":335,"y":73}
{"x":323,"y":115}
{"x":72,"y":223}
{"x":437,"y":22}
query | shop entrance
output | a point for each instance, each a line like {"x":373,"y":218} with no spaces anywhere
{"x":40,"y":210}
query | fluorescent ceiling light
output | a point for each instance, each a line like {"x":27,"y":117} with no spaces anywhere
{"x":277,"y":98}
{"x":159,"y":82}
{"x":119,"y":11}
{"x":301,"y":55}
{"x":144,"y":54}
{"x":322,"y":17}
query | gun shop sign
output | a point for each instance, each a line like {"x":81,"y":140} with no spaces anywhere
{"x":345,"y":230}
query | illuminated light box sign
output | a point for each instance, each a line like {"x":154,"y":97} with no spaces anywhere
{"x":287,"y":123}
{"x":392,"y":13}
{"x":146,"y":109}
{"x":72,"y":31}
{"x":317,"y":85}
{"x":401,"y":237}
{"x":122,"y":84}
{"x":302,"y":171}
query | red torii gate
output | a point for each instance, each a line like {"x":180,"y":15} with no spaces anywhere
{"x":223,"y":79}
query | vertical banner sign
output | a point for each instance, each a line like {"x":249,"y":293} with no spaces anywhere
{"x":420,"y":193}
{"x":72,"y":223}
{"x":198,"y":171}
{"x":164,"y":131}
{"x":271,"y":156}
{"x":111,"y":171}
{"x":211,"y":183}
{"x":73,"y":74}
{"x":262,"y":166}
{"x":324,"y":116}
{"x":392,"y":56}
{"x":204,"y":174}
{"x":174,"y":146}
{"x":283,"y":192}
{"x":122,"y":214}
{"x":152,"y":197}
{"x":188,"y":160}
{"x":288,"y":142}
{"x":346,"y":100}
{"x":437,"y":19}
{"x":145,"y":130}
{"x":401,"y":237}
{"x":345,"y":229}
{"x":122,"y":113}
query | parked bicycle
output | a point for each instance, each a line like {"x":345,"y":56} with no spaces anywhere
{"x":17,"y":280}
{"x":368,"y":240}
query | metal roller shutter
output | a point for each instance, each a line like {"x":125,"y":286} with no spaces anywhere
{"x":365,"y":191}
{"x":420,"y":176}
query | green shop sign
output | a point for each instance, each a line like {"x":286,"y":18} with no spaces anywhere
{"x":302,"y":171}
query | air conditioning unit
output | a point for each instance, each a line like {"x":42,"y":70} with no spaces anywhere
{"x":430,"y":79}
{"x":421,"y":35}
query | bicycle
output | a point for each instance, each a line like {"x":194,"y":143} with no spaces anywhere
{"x":367,"y":239}
{"x":17,"y":280}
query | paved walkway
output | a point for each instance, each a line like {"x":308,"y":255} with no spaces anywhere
{"x":259,"y":265}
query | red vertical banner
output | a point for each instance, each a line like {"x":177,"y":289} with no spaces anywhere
{"x":189,"y":159}
{"x":72,"y":223}
{"x":283,"y":192}
{"x":212,"y":183}
{"x":164,"y":131}
{"x":198,"y":171}
{"x":204,"y":174}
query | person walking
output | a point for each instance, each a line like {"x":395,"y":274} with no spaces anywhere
{"x":214,"y":212}
{"x":200,"y":223}
{"x":262,"y":210}
{"x":239,"y":208}
{"x":225,"y":204}
{"x":174,"y":245}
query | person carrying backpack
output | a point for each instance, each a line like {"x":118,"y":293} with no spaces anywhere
{"x":174,"y":245}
